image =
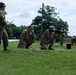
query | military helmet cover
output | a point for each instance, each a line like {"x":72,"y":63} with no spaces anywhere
{"x":2,"y":4}
{"x":51,"y":27}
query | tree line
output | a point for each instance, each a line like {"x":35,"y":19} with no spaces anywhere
{"x":15,"y":31}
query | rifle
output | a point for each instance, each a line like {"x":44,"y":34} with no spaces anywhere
{"x":8,"y":24}
{"x":56,"y":31}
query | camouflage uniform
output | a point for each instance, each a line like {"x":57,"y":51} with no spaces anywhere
{"x":3,"y":33}
{"x":26,"y":39}
{"x":73,"y":41}
{"x":47,"y":39}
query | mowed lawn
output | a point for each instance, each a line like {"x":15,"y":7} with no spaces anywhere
{"x":33,"y":61}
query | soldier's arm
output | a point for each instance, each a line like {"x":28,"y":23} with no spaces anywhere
{"x":2,"y":20}
{"x":1,"y":16}
{"x":47,"y":35}
{"x":33,"y":36}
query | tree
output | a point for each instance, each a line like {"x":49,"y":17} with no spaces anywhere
{"x":46,"y":16}
{"x":10,"y":32}
{"x":14,"y":31}
{"x":17,"y":30}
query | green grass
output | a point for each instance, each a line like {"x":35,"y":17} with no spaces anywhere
{"x":33,"y":61}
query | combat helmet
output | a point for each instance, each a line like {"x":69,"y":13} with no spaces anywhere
{"x":51,"y":27}
{"x":2,"y":4}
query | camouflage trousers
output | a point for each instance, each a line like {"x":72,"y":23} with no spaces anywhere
{"x":4,"y":37}
{"x":25,"y":44}
{"x":47,"y":45}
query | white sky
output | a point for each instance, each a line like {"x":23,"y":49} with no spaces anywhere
{"x":24,"y":11}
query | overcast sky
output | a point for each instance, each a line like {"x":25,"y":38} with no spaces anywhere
{"x":24,"y":11}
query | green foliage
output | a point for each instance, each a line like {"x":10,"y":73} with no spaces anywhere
{"x":10,"y":32}
{"x":14,"y":31}
{"x":32,"y":61}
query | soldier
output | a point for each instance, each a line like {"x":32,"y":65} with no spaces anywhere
{"x":48,"y":38}
{"x":61,"y":36}
{"x":3,"y":24}
{"x":27,"y":37}
{"x":73,"y":41}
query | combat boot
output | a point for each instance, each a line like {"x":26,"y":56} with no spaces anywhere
{"x":51,"y":49}
{"x":27,"y":47}
{"x":5,"y":49}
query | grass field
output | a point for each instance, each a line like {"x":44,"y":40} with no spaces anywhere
{"x":34,"y":61}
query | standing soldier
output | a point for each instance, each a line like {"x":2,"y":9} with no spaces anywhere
{"x":48,"y":38}
{"x":3,"y":24}
{"x":27,"y":37}
{"x":61,"y":36}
